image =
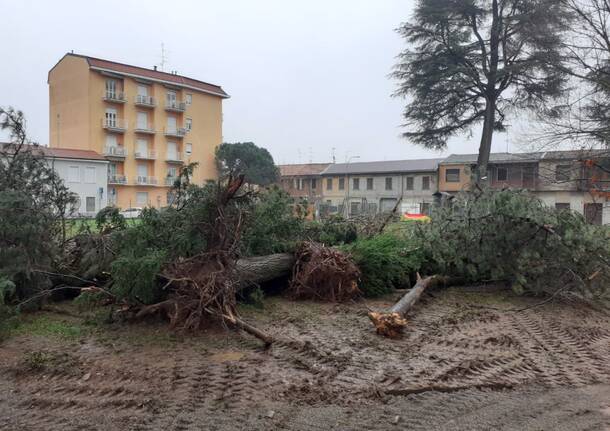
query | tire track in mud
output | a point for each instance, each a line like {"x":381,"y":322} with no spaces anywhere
{"x":59,"y":400}
{"x":334,"y":366}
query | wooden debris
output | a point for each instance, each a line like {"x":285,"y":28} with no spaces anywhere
{"x":392,"y":322}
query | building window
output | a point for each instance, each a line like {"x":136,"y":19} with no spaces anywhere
{"x":142,"y":120}
{"x":90,"y":204}
{"x":424,"y":208}
{"x":111,"y":141}
{"x":369,"y":184}
{"x":410,"y":182}
{"x":562,"y":206}
{"x":74,"y":174}
{"x":425,"y":183}
{"x":76,"y":204}
{"x":501,"y":174}
{"x":111,"y":89}
{"x":172,"y":124}
{"x":188,"y":149}
{"x":111,"y":117}
{"x":388,"y":183}
{"x":142,"y":198}
{"x":356,"y":183}
{"x":562,"y":172}
{"x":90,"y":175}
{"x":189,"y":124}
{"x":171,"y":98}
{"x":452,"y":175}
{"x":189,"y":99}
{"x":314,"y":183}
{"x":143,"y":91}
{"x":329,"y":184}
{"x":170,"y":197}
{"x":354,"y":208}
{"x":341,"y":183}
{"x":300,"y":183}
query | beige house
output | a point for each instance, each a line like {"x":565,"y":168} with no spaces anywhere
{"x":146,"y":122}
{"x":559,"y":178}
{"x":372,"y":187}
{"x":302,"y":181}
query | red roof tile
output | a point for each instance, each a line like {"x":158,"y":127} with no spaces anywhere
{"x":69,"y":153}
{"x":155,"y":74}
{"x":302,"y":169}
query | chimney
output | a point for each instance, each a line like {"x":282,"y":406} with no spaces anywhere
{"x":155,"y":67}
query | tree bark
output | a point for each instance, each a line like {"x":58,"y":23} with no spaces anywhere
{"x":490,"y":96}
{"x":486,"y":140}
{"x":392,"y":322}
{"x":259,"y":269}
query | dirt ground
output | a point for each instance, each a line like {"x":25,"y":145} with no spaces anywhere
{"x":463,"y":365}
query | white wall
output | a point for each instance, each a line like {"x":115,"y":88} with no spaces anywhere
{"x":577,"y":201}
{"x":94,"y":187}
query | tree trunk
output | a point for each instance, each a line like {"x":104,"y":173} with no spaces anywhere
{"x":485,"y":146}
{"x":259,"y":269}
{"x":392,"y":322}
{"x":491,"y":96}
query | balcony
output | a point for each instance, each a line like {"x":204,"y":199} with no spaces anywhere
{"x":145,"y":101}
{"x":114,"y":96}
{"x":117,"y":179}
{"x":146,"y":155}
{"x":147,"y":181}
{"x":149,"y":129}
{"x":115,"y":152}
{"x":170,"y":181}
{"x":175,"y":157}
{"x":175,"y":106}
{"x":176,"y":133}
{"x":117,"y":125}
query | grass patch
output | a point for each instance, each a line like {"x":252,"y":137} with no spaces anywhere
{"x":44,"y":325}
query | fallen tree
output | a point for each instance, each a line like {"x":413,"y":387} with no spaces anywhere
{"x":392,"y":323}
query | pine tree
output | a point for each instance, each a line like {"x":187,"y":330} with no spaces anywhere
{"x":472,"y":61}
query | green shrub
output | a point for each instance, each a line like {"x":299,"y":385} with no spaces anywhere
{"x":332,"y":231}
{"x":135,"y":278}
{"x":108,"y":219}
{"x":387,"y":262}
{"x":272,"y":225}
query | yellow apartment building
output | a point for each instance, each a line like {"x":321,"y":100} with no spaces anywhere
{"x":146,"y":122}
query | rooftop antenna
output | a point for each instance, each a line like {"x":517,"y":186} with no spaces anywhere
{"x":299,"y":155}
{"x":310,"y":155}
{"x":163,"y":57}
{"x":333,"y":149}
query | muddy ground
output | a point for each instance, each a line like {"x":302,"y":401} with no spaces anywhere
{"x":465,"y":364}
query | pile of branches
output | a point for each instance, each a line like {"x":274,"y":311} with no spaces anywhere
{"x":324,"y":273}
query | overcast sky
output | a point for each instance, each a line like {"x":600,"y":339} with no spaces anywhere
{"x":304,"y":76}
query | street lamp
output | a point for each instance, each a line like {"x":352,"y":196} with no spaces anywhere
{"x":347,"y":181}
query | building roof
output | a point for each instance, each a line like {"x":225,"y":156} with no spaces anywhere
{"x":525,"y":157}
{"x":151,"y":74}
{"x":65,"y":153}
{"x":69,"y":153}
{"x":302,"y":169}
{"x":493,"y":158}
{"x":392,"y":166}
